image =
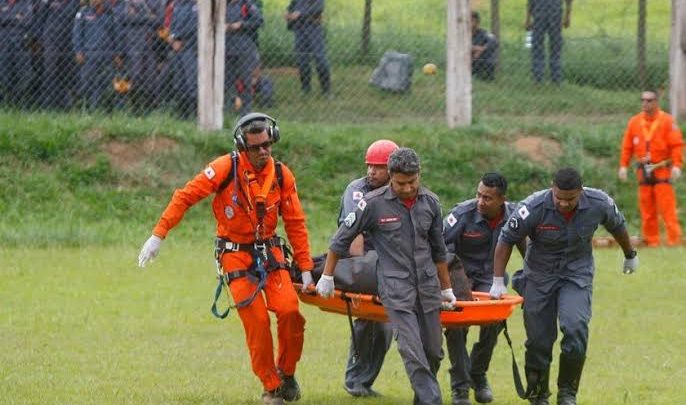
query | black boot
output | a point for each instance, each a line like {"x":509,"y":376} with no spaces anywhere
{"x":568,"y":379}
{"x":537,"y":390}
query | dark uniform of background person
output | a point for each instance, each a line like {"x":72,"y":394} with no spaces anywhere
{"x":403,"y":221}
{"x":16,"y":17}
{"x":136,"y":23}
{"x":243,"y":18}
{"x":375,"y":337}
{"x":484,"y":50}
{"x":93,"y":38}
{"x":56,"y":22}
{"x":558,"y":275}
{"x":548,"y":20}
{"x":471,"y":231}
{"x":304,"y":18}
{"x":184,"y":60}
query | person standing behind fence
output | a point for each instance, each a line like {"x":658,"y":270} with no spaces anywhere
{"x":653,"y":138}
{"x":548,"y":20}
{"x":484,"y":50}
{"x":375,"y":337}
{"x":558,"y":275}
{"x":184,"y":60}
{"x":305,"y":18}
{"x":403,"y":221}
{"x":16,"y":17}
{"x":136,"y":22}
{"x":471,"y":231}
{"x":93,"y":39}
{"x":249,"y":252}
{"x":243,"y":19}
{"x":59,"y":72}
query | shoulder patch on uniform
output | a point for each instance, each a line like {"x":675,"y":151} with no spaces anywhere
{"x":513,"y":223}
{"x":362,"y":204}
{"x":357,"y":195}
{"x":523,"y":212}
{"x":451,"y":220}
{"x":209,"y":172}
{"x":350,"y":219}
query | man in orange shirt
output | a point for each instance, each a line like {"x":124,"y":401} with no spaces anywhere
{"x":655,"y":141}
{"x":251,"y":190}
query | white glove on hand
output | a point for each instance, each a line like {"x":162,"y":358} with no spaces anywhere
{"x":150,"y":250}
{"x":498,"y":288}
{"x":622,"y":173}
{"x":325,"y":286}
{"x":448,"y":297}
{"x":307,"y":280}
{"x":630,"y":264}
{"x":676,"y":172}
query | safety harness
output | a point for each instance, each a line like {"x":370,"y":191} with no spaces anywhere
{"x":264,"y":260}
{"x":648,"y":178}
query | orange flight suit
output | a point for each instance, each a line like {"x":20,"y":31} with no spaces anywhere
{"x":653,"y":140}
{"x":236,"y":222}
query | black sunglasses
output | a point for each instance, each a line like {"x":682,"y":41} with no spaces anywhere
{"x":256,"y":148}
{"x":648,"y":100}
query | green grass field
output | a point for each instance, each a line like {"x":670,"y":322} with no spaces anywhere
{"x":86,"y":326}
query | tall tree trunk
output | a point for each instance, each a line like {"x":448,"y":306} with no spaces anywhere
{"x":366,"y":28}
{"x":458,"y":80}
{"x":641,"y":45}
{"x":677,"y":61}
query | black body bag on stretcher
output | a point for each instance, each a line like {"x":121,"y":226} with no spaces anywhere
{"x":353,"y":274}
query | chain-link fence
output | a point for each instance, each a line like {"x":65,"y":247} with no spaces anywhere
{"x":300,"y":60}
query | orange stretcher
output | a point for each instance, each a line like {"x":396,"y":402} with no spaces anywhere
{"x":483,"y":310}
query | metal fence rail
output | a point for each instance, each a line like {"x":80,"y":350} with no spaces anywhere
{"x":140,"y":56}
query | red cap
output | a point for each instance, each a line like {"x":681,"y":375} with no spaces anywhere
{"x":379,"y":151}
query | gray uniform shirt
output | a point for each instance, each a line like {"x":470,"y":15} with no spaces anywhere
{"x":468,"y":235}
{"x":408,"y":242}
{"x":352,"y":195}
{"x":557,"y":248}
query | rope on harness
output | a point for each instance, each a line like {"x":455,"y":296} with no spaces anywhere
{"x":224,"y":280}
{"x":519,"y":387}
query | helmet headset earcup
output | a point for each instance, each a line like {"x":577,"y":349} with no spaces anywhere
{"x":239,"y":137}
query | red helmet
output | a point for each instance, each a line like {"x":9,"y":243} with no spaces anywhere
{"x":379,"y":151}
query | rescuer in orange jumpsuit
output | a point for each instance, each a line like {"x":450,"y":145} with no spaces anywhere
{"x":248,"y":199}
{"x":655,"y":141}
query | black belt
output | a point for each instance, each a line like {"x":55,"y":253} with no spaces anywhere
{"x":229,"y":246}
{"x":653,"y":182}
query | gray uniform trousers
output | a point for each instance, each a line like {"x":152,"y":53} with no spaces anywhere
{"x":411,"y":328}
{"x":373,"y":340}
{"x":464,"y":365}
{"x":542,"y":305}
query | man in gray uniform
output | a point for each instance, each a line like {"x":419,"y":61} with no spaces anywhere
{"x":403,"y":221}
{"x":558,"y":275}
{"x":361,"y":372}
{"x":548,"y":20}
{"x":471,"y":231}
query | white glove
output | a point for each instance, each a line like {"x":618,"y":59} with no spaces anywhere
{"x":630,"y":264}
{"x":622,"y":173}
{"x":448,"y":298}
{"x":307,"y":280}
{"x":676,"y":172}
{"x":150,"y":250}
{"x":325,"y":286}
{"x":498,"y":288}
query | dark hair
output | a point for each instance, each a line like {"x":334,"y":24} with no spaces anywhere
{"x":496,"y":180}
{"x":254,"y":127}
{"x":567,"y":178}
{"x":476,"y":16}
{"x":404,"y":160}
{"x":651,"y":90}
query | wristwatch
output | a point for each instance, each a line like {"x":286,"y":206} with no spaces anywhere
{"x":631,"y":254}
